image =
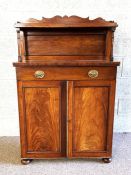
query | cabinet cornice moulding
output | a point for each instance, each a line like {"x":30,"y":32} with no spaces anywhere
{"x":66,"y":21}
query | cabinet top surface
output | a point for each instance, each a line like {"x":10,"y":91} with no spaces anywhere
{"x":65,"y":22}
{"x":64,"y":63}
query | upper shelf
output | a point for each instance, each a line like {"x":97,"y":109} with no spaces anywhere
{"x":65,"y":22}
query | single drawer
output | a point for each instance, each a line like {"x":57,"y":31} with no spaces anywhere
{"x":66,"y":73}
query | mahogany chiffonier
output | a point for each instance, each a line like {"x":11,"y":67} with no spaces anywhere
{"x":66,"y":87}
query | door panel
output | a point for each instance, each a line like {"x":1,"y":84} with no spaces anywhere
{"x":44,"y":118}
{"x":88,"y":116}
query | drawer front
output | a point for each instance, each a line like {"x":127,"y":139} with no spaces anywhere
{"x":66,"y":73}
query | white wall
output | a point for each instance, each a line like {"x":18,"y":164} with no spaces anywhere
{"x":18,"y":10}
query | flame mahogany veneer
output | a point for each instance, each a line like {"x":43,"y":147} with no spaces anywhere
{"x":66,"y":87}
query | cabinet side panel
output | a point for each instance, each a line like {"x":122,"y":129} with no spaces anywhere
{"x":90,"y":118}
{"x":43,"y":119}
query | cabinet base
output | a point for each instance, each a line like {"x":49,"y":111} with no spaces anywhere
{"x":26,"y":161}
{"x":106,"y":160}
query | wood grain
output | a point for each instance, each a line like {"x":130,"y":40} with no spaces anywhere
{"x":109,"y":45}
{"x":66,"y":63}
{"x":44,"y":117}
{"x":66,"y":113}
{"x":65,"y":36}
{"x":66,"y":45}
{"x":54,"y":58}
{"x":22,"y":47}
{"x":66,"y":73}
{"x":66,"y":21}
{"x":90,"y":118}
{"x":70,"y":111}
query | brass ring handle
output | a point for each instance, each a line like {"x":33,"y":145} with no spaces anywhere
{"x":39,"y":74}
{"x":93,"y":73}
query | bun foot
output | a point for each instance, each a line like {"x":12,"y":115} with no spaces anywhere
{"x":106,"y":160}
{"x":26,"y":161}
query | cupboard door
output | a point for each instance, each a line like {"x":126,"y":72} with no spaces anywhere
{"x":90,"y":118}
{"x":43,"y":118}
